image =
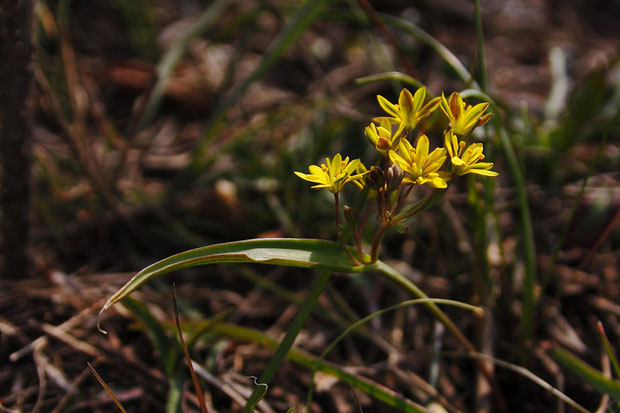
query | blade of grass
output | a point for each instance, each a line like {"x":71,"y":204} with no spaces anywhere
{"x":528,"y":375}
{"x":107,"y":389}
{"x":174,"y":402}
{"x":589,"y":375}
{"x":480,"y":55}
{"x":443,"y":52}
{"x":302,"y":358}
{"x":201,"y":399}
{"x":288,"y":340}
{"x":414,"y":290}
{"x":361,"y":322}
{"x":580,"y":194}
{"x":306,"y":14}
{"x":608,"y":349}
{"x":171,"y":58}
{"x":529,"y":245}
{"x":389,"y":36}
{"x":484,"y":211}
{"x":168,"y":354}
{"x":156,"y":333}
{"x":390,"y":76}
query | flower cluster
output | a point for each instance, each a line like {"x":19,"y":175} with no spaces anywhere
{"x":406,"y":160}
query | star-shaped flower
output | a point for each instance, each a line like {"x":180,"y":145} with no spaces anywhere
{"x":420,"y":166}
{"x":467,"y":160}
{"x":463,"y":118}
{"x":333,"y":174}
{"x":409,"y":110}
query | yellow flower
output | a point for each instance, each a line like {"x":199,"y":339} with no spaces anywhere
{"x":333,"y":174}
{"x":409,"y":110}
{"x":467,"y":160}
{"x":420,"y":166}
{"x":381,"y":136}
{"x":463,"y":118}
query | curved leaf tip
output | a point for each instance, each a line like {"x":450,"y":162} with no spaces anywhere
{"x":290,"y":252}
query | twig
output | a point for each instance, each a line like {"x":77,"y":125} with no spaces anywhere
{"x":71,"y":340}
{"x":201,"y":399}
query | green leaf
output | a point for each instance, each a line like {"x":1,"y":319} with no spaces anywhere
{"x":174,"y":403}
{"x":156,"y":333}
{"x":287,"y":342}
{"x":290,"y":252}
{"x":305,"y":359}
{"x":588,"y":374}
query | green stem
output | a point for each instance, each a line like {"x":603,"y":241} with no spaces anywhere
{"x":421,"y":206}
{"x":478,"y":310}
{"x":402,"y":198}
{"x":376,"y":241}
{"x":287,"y":341}
{"x":344,"y":246}
{"x":414,"y":290}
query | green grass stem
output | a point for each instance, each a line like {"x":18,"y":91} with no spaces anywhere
{"x":173,"y":55}
{"x":302,"y":358}
{"x":362,"y":321}
{"x":306,"y":14}
{"x":288,"y":340}
{"x":589,"y":375}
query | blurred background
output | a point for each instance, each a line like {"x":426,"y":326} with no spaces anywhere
{"x":159,"y":126}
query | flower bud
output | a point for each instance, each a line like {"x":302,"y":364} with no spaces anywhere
{"x":393,"y":177}
{"x":349,"y":215}
{"x":375,"y":178}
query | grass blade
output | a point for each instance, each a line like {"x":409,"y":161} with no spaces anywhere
{"x":608,"y":349}
{"x":287,"y":342}
{"x":174,"y":403}
{"x":527,"y":229}
{"x":172,"y":56}
{"x":156,"y":333}
{"x":292,"y":252}
{"x":522,"y":371}
{"x":107,"y":389}
{"x":362,"y":321}
{"x":302,"y":358}
{"x":591,"y":376}
{"x":300,"y":21}
{"x":201,"y":399}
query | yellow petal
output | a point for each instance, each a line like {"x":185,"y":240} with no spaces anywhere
{"x":406,"y":102}
{"x":422,"y":148}
{"x":388,"y":107}
{"x":456,"y":161}
{"x":418,"y":98}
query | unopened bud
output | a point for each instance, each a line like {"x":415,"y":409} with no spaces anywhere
{"x":393,"y":177}
{"x":375,"y":178}
{"x":349,"y":215}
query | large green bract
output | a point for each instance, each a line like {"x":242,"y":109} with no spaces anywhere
{"x":290,"y":252}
